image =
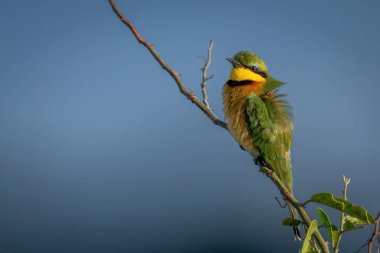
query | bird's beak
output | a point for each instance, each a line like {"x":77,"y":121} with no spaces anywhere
{"x":234,"y":63}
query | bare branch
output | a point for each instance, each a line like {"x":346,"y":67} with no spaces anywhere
{"x":189,"y":95}
{"x":361,"y":247}
{"x":204,"y":75}
{"x":375,"y":233}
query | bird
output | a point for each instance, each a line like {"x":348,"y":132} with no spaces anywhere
{"x":259,"y":118}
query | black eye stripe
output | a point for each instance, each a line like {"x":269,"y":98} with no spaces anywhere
{"x":232,"y":83}
{"x":263,"y":74}
{"x":256,"y":70}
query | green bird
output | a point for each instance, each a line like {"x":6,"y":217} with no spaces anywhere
{"x":258,"y":117}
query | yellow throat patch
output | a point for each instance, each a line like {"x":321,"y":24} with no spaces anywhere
{"x":242,"y":74}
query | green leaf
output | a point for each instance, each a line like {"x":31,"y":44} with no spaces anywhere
{"x":326,"y":223}
{"x":291,"y":222}
{"x":348,"y":225}
{"x":328,"y":199}
{"x":335,"y":235}
{"x":306,"y":242}
{"x":354,"y":220}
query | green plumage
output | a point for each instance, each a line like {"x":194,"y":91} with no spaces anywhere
{"x":267,"y":117}
{"x":269,"y":122}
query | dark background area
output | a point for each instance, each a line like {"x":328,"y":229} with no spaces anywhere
{"x":99,"y":152}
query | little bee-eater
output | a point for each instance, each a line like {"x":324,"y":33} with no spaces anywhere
{"x":258,"y":118}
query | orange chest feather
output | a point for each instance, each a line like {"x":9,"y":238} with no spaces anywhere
{"x":234,"y":111}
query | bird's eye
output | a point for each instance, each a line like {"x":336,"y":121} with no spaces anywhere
{"x":254,"y":67}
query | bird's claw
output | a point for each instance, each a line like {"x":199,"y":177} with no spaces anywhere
{"x":259,"y":161}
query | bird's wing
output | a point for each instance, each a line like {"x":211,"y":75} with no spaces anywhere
{"x":269,"y":122}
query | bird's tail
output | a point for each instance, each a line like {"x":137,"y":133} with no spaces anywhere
{"x":294,"y":215}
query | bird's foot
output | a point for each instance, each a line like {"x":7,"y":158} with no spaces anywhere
{"x":259,"y":160}
{"x":242,"y":147}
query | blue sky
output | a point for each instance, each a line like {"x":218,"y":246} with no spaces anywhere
{"x":101,"y":153}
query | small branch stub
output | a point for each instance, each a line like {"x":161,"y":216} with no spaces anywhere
{"x":204,"y":75}
{"x":346,"y":181}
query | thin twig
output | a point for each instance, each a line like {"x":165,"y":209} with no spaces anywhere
{"x":204,"y":75}
{"x":189,"y":95}
{"x":375,"y":233}
{"x":361,"y":247}
{"x":346,"y":181}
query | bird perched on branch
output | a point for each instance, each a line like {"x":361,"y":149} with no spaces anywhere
{"x":258,"y":117}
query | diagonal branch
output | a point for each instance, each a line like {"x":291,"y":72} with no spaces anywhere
{"x":187,"y":93}
{"x":204,"y":75}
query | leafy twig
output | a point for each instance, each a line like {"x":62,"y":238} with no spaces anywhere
{"x":294,"y":202}
{"x":346,"y":181}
